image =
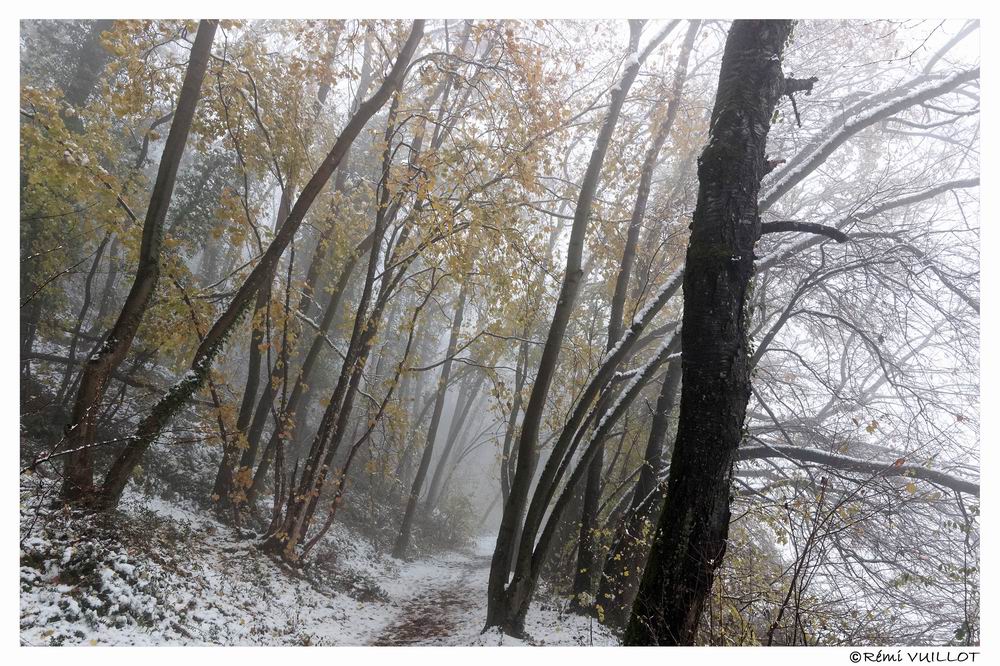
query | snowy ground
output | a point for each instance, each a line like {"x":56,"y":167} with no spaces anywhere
{"x":442,"y":601}
{"x":166,"y":574}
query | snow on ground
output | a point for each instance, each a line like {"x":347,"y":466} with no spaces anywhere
{"x":168,"y":574}
{"x":179,"y":577}
{"x":443,"y":602}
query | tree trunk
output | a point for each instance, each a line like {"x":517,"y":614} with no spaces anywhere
{"x":333,"y":426}
{"x":690,"y":539}
{"x":74,"y":341}
{"x":586,"y":552}
{"x":90,"y":62}
{"x":230,"y":489}
{"x":79,"y":473}
{"x":299,"y":390}
{"x":110,"y":285}
{"x":307,"y":302}
{"x":388,"y":215}
{"x":463,"y":405}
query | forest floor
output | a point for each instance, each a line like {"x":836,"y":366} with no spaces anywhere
{"x":162,"y":572}
{"x":438,"y":600}
{"x":442,"y":601}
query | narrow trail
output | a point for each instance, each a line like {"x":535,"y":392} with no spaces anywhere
{"x":446,"y":603}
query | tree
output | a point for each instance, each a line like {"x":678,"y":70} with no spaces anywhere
{"x":504,"y":603}
{"x":121,"y":470}
{"x":588,"y":558}
{"x":79,"y":472}
{"x":321,"y":401}
{"x":403,"y":540}
{"x":690,"y":540}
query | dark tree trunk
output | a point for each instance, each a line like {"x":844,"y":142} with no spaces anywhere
{"x":586,"y":554}
{"x":372,"y":421}
{"x":90,"y":62}
{"x":412,"y":384}
{"x":79,"y":473}
{"x":230,"y":488}
{"x":30,"y":318}
{"x":294,"y":405}
{"x":388,"y":214}
{"x":306,"y":304}
{"x":690,"y":540}
{"x":564,"y":552}
{"x":333,"y":426}
{"x":74,"y":341}
{"x":532,"y":554}
{"x":109,"y":289}
{"x":508,"y":459}
{"x":525,"y":358}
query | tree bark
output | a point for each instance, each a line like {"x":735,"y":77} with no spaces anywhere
{"x":65,"y":387}
{"x":299,"y":389}
{"x":307,"y":302}
{"x":387,"y":215}
{"x":532,"y":555}
{"x":690,"y":540}
{"x":230,"y":489}
{"x":630,"y":548}
{"x":333,"y":426}
{"x":110,"y":283}
{"x":90,"y":62}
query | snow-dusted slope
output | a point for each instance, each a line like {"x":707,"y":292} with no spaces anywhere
{"x":168,"y":574}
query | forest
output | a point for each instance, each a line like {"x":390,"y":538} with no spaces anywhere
{"x":499,"y":332}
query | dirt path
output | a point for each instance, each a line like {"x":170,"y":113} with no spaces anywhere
{"x":447,"y":604}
